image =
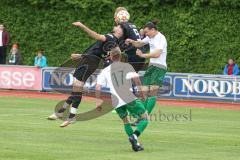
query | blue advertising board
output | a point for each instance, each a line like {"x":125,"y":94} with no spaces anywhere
{"x":179,"y":85}
{"x":61,"y":80}
{"x":203,"y":86}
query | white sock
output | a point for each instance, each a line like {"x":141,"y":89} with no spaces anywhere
{"x":65,"y":105}
{"x":135,"y":136}
{"x":73,"y":110}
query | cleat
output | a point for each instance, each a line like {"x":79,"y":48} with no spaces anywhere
{"x":133,"y":141}
{"x":140,"y":148}
{"x":68,"y":121}
{"x":55,"y":116}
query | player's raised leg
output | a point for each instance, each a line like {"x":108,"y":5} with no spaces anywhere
{"x":153,"y":78}
{"x":87,"y":66}
{"x":135,"y":107}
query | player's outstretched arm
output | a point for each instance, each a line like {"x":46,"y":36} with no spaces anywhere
{"x":154,"y":54}
{"x":136,"y":44}
{"x":75,"y":56}
{"x":90,"y":32}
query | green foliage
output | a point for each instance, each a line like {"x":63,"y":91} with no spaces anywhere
{"x":201,"y":34}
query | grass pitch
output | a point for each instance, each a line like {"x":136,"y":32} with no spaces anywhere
{"x":26,"y":134}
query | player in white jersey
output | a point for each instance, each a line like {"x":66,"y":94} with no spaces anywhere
{"x":118,"y":78}
{"x":154,"y":75}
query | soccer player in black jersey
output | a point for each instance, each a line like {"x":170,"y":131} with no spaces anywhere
{"x":88,"y":63}
{"x":129,"y":30}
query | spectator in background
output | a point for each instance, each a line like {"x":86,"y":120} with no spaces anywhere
{"x":4,"y":40}
{"x":231,"y":68}
{"x":40,"y":60}
{"x":14,"y":57}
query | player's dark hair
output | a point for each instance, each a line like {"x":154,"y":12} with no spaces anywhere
{"x":152,"y":24}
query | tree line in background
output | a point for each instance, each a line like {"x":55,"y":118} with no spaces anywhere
{"x":201,"y":34}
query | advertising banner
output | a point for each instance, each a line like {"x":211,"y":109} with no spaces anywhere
{"x":203,"y":86}
{"x":61,"y":80}
{"x":175,"y":86}
{"x":20,"y":77}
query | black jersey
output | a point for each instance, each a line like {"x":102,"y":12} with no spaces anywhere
{"x":101,"y":48}
{"x":129,"y":31}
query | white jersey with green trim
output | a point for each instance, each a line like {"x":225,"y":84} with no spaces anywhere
{"x":118,"y":77}
{"x":157,"y":42}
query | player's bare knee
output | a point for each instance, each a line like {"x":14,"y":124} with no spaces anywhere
{"x":125,"y":120}
{"x":153,"y":89}
{"x":78,"y":86}
{"x":150,"y":90}
{"x":144,"y":116}
{"x":144,"y":90}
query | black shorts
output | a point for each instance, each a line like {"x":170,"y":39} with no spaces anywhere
{"x":138,"y":66}
{"x":136,"y":61}
{"x":87,"y":65}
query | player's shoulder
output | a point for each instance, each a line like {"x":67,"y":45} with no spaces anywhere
{"x":110,"y":35}
{"x":160,"y":35}
{"x":122,"y":66}
{"x":126,"y":65}
{"x":116,"y":66}
{"x":106,"y":69}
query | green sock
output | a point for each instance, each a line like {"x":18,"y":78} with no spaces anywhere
{"x":145,"y":103}
{"x":141,"y":127}
{"x":128,"y":129}
{"x":150,"y":103}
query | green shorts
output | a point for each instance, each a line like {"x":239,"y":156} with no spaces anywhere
{"x":154,"y":76}
{"x":135,"y":108}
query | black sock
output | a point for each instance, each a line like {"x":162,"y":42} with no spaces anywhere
{"x":69,"y":100}
{"x":71,"y":115}
{"x":76,"y":98}
{"x":137,"y":133}
{"x":61,"y":110}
